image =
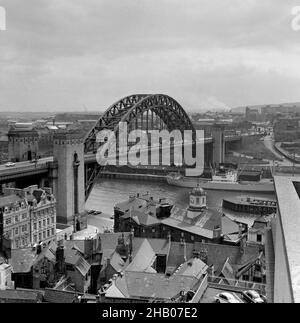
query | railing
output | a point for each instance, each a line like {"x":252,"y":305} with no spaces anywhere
{"x":200,"y":290}
{"x":235,"y":284}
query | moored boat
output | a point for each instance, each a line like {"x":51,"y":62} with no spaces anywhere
{"x":225,"y":181}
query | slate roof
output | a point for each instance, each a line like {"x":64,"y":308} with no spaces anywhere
{"x":117,"y":262}
{"x":22,"y":259}
{"x":203,"y":224}
{"x":142,"y":218}
{"x":152,"y":285}
{"x":74,"y":258}
{"x":228,"y":273}
{"x":58,"y":296}
{"x":159,"y":246}
{"x":110,"y":240}
{"x":195,"y":267}
{"x":144,"y":259}
{"x":77,"y":244}
{"x":229,"y":226}
{"x":217,"y":254}
{"x":10,"y":199}
{"x":16,"y":296}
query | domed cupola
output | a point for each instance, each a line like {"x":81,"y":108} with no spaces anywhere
{"x":197,"y":198}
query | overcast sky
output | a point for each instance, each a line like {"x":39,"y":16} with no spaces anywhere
{"x":71,"y":54}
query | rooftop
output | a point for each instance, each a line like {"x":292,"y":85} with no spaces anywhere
{"x":288,"y":207}
{"x":10,"y":199}
{"x":203,"y":224}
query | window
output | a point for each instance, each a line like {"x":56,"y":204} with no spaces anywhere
{"x":17,"y":218}
{"x":8,"y":221}
{"x":24,"y":228}
{"x":44,"y":234}
{"x":52,"y":219}
{"x":52,"y":231}
{"x":48,"y":221}
{"x":48,"y":233}
{"x":24,"y":216}
{"x":44,"y":223}
{"x":69,"y":267}
{"x":197,"y":200}
{"x":259,"y":238}
{"x":16,"y":231}
{"x":40,"y":236}
{"x":35,"y":238}
{"x":34,"y":226}
{"x":40,"y":224}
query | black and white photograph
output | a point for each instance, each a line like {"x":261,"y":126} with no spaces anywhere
{"x":149,"y":154}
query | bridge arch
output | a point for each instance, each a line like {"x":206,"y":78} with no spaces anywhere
{"x":143,"y":107}
{"x":160,"y":111}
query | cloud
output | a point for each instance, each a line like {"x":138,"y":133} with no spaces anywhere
{"x":66,"y":54}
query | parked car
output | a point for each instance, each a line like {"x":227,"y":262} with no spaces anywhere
{"x":10,"y":164}
{"x":252,"y":296}
{"x":226,"y":298}
{"x":35,"y":160}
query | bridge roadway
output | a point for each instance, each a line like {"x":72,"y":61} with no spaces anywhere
{"x":28,"y":168}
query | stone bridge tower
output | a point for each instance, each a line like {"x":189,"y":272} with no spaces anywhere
{"x":23,"y":142}
{"x":69,"y":182}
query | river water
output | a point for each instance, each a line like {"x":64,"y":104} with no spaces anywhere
{"x":107,"y":192}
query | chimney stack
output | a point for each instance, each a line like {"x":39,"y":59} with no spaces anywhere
{"x":60,"y":257}
{"x":131,"y":244}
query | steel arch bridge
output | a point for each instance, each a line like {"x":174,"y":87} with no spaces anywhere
{"x":139,"y":111}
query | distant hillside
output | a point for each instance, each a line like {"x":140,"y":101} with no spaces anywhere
{"x":278,"y":106}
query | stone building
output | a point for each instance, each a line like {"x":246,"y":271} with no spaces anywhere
{"x":22,"y":142}
{"x":158,"y":219}
{"x":29,"y":216}
{"x":14,"y":214}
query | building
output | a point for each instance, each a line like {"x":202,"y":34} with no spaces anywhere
{"x":20,"y":296}
{"x":145,"y":279}
{"x":5,"y":276}
{"x":251,"y":114}
{"x":283,"y":241}
{"x":29,"y":216}
{"x":22,"y":142}
{"x":287,"y":129}
{"x":158,"y":219}
{"x":161,"y":270}
{"x":34,"y":267}
{"x":15,"y":216}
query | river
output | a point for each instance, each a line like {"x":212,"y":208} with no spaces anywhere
{"x":107,"y":192}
